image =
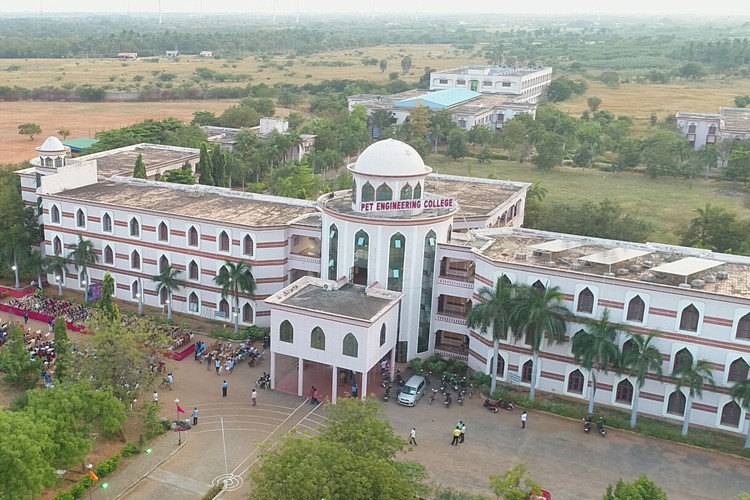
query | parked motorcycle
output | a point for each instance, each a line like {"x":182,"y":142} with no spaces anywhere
{"x":491,"y":405}
{"x":460,"y":398}
{"x":448,"y":400}
{"x":600,"y":427}
{"x":387,"y":393}
{"x":587,"y":424}
{"x":434,"y":395}
{"x":506,"y":405}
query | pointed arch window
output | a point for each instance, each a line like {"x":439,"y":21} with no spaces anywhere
{"x":135,"y":228}
{"x":636,"y":309}
{"x":193,"y":271}
{"x":418,"y":191}
{"x":500,"y":367}
{"x":247,"y":313}
{"x":689,"y":319}
{"x":382,"y":335}
{"x":318,"y":339}
{"x":163,"y":263}
{"x":163,"y":232}
{"x":361,"y":257}
{"x":107,"y":223}
{"x":368,"y":192}
{"x":384,"y":193}
{"x":676,"y":403}
{"x":682,"y":358}
{"x":425,"y":302}
{"x":109,"y":255}
{"x":738,"y":371}
{"x":80,"y":218}
{"x":396,"y":262}
{"x":407,"y":192}
{"x":539,"y":286}
{"x":135,"y":289}
{"x":575,"y":382}
{"x":223,"y":242}
{"x":57,"y":246}
{"x":286,"y":332}
{"x":743,"y":327}
{"x":333,"y":252}
{"x":712,"y":130}
{"x":624,"y":392}
{"x":248,"y":246}
{"x":730,"y":415}
{"x":135,"y":260}
{"x":193,"y":303}
{"x":526,"y":370}
{"x":163,"y":295}
{"x":193,"y":236}
{"x":54,"y":214}
{"x":224,"y":307}
{"x":350,"y":345}
{"x":585,"y":301}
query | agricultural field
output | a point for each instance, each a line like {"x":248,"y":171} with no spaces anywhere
{"x":666,"y":203}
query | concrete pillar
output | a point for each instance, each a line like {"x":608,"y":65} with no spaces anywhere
{"x":334,"y":384}
{"x":393,"y":362}
{"x":273,"y":370}
{"x":363,"y":390}
{"x":300,"y":376}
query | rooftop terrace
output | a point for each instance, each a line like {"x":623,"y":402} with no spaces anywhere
{"x":121,"y":161}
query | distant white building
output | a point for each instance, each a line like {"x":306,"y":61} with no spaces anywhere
{"x":206,"y":53}
{"x":227,"y":137}
{"x":172,"y":54}
{"x":524,"y":84}
{"x":127,"y":56}
{"x":703,"y":129}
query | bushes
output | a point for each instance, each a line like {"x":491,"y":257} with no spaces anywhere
{"x":215,"y":490}
{"x":79,"y":490}
{"x":441,"y":366}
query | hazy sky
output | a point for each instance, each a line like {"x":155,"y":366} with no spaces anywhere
{"x":729,"y":8}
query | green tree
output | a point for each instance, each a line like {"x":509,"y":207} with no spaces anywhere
{"x":493,"y":314}
{"x":35,"y":265}
{"x":381,"y":119}
{"x":414,"y":132}
{"x":204,"y":167}
{"x":63,"y":356}
{"x":628,"y":155}
{"x":549,"y":151}
{"x":83,"y":255}
{"x":263,"y":105}
{"x":219,"y":166}
{"x":741,"y":101}
{"x":185,"y":137}
{"x":741,"y":395}
{"x":179,"y":176}
{"x":64,"y":133}
{"x":640,"y":489}
{"x":640,"y":358}
{"x":239,"y":117}
{"x":595,"y":349}
{"x":508,"y":484}
{"x":406,"y":63}
{"x":235,"y":279}
{"x":593,"y":103}
{"x":714,"y":228}
{"x":693,"y":377}
{"x":139,"y":172}
{"x":30,"y":129}
{"x":107,"y":307}
{"x":584,"y":156}
{"x":479,"y":134}
{"x":26,"y":446}
{"x":537,"y":316}
{"x":57,"y":266}
{"x":202,"y":118}
{"x":15,"y":362}
{"x":516,"y":136}
{"x":495,"y":53}
{"x":441,"y":124}
{"x":738,"y":166}
{"x":560,"y":89}
{"x":610,"y":79}
{"x":383,"y":65}
{"x":168,"y":280}
{"x":457,"y":144}
{"x":295,"y":180}
{"x":692,"y":71}
{"x":14,"y":248}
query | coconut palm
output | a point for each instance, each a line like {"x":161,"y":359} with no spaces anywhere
{"x":595,"y":349}
{"x":57,"y":265}
{"x":640,"y":359}
{"x":493,"y":315}
{"x":82,"y":256}
{"x":35,"y":264}
{"x":693,"y":377}
{"x":168,"y":279}
{"x":741,"y":394}
{"x":233,"y":280}
{"x":539,"y":315}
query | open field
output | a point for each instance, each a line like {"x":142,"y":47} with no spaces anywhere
{"x":639,"y":101}
{"x":119,"y":75}
{"x":665,"y":202}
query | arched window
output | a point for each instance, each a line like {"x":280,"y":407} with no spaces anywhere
{"x":636,"y":309}
{"x":193,"y":271}
{"x":163,"y":295}
{"x":107,"y":223}
{"x":682,"y":358}
{"x":134,"y":289}
{"x":361,"y":257}
{"x":628,"y":345}
{"x":691,"y":128}
{"x":80,"y":218}
{"x":526,"y":370}
{"x":425,"y":302}
{"x":193,"y":237}
{"x":624,"y":392}
{"x":58,"y":162}
{"x":676,"y":403}
{"x":730,"y":415}
{"x":57,"y":246}
{"x":286,"y":331}
{"x":248,"y":247}
{"x":384,"y":193}
{"x":48,"y":162}
{"x":109,"y":257}
{"x":224,"y":307}
{"x":333,"y":252}
{"x":505,"y":280}
{"x":247,"y":313}
{"x":396,"y":262}
{"x":351,"y":346}
{"x":193,"y":304}
{"x":712,"y":130}
{"x":743,"y":327}
{"x":539,"y":286}
{"x":223,"y":242}
{"x":163,"y":232}
{"x":318,"y":339}
{"x":689,"y":319}
{"x":163,"y":263}
{"x":575,"y":382}
{"x":135,"y":227}
{"x":585,"y":301}
{"x":418,"y":191}
{"x":406,"y":192}
{"x":500,"y":367}
{"x":135,"y":260}
{"x":738,"y":370}
{"x":368,"y":192}
{"x":54,"y":214}
{"x":382,"y":335}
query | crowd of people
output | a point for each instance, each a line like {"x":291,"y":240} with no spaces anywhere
{"x":225,"y":356}
{"x":52,"y":307}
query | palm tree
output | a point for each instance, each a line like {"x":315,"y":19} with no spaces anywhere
{"x":15,"y":246}
{"x":493,"y":314}
{"x":741,"y":394}
{"x":536,"y":314}
{"x":57,"y":264}
{"x":595,"y":349}
{"x":640,"y":359}
{"x":36,"y":265}
{"x":168,"y":279}
{"x":233,"y":280}
{"x":693,"y":377}
{"x":82,"y":256}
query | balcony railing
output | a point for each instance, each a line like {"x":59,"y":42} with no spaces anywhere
{"x":446,"y":280}
{"x":448,"y":352}
{"x":456,"y":320}
{"x":310,"y":259}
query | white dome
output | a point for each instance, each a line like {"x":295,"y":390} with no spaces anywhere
{"x":390,"y":158}
{"x":51,"y":145}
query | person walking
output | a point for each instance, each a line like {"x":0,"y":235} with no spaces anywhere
{"x":25,"y":317}
{"x":217,"y":364}
{"x":254,"y":396}
{"x":224,"y":388}
{"x":463,"y":432}
{"x":456,"y":436}
{"x":413,"y":436}
{"x":523,"y":419}
{"x":312,"y":395}
{"x":209,"y":360}
{"x":354,"y":390}
{"x":195,"y":416}
{"x":315,"y":397}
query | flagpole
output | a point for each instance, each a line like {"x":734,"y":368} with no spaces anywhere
{"x":224,"y":443}
{"x":179,"y":434}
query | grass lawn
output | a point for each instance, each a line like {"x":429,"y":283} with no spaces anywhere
{"x":664,"y":202}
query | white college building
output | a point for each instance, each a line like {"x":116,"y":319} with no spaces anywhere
{"x":391,"y":269}
{"x":525,"y":84}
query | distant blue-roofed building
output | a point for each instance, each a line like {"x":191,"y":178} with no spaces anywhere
{"x":441,"y":99}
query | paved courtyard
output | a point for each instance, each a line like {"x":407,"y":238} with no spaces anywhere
{"x":559,"y":455}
